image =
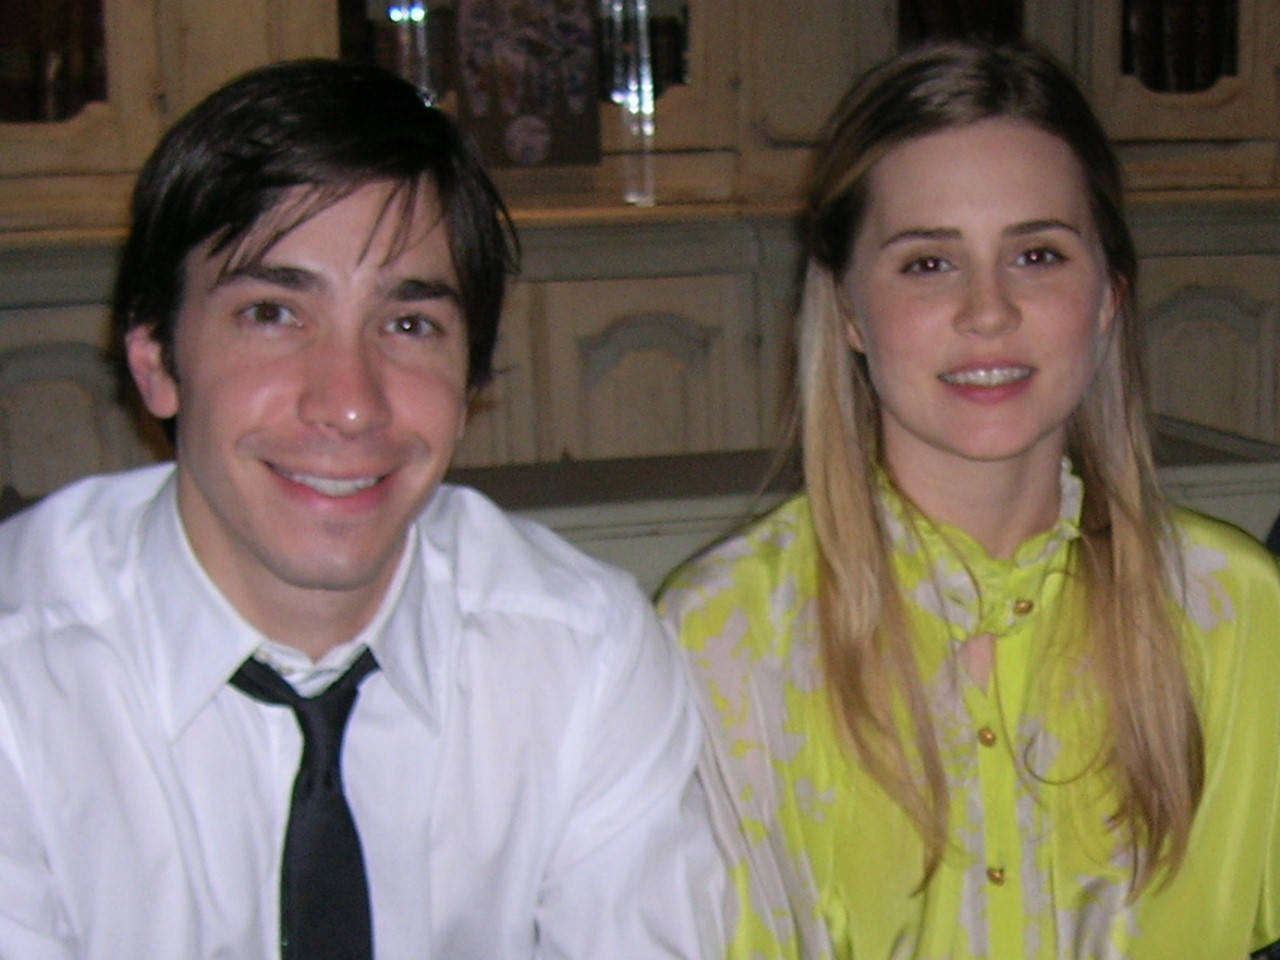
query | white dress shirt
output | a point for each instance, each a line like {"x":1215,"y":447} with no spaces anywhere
{"x":519,"y":769}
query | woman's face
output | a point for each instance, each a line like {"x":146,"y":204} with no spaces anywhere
{"x":979,"y":294}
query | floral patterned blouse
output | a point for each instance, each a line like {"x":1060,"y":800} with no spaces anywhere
{"x":825,"y":865}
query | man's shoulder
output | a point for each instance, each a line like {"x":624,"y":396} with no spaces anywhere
{"x":505,"y":563}
{"x":57,"y":549}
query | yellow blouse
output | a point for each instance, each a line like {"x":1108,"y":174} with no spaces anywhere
{"x":825,"y":865}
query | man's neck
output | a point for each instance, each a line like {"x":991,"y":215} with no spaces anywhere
{"x":311,"y":620}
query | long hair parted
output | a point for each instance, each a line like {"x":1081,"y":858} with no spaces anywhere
{"x":1154,"y":751}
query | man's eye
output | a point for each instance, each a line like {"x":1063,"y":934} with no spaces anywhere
{"x":414,"y":325}
{"x":1040,"y":257}
{"x":926,"y":264}
{"x":267,"y":314}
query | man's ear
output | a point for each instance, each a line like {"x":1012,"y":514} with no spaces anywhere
{"x":146,"y":364}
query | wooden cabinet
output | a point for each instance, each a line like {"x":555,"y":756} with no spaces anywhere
{"x":1210,"y":297}
{"x":162,"y":56}
{"x":628,"y":340}
{"x":502,"y":424}
{"x":1212,"y":348}
{"x":663,"y":330}
{"x":596,"y":369}
{"x":60,"y":416}
{"x":76,"y":173}
{"x":1224,"y":135}
{"x":650,"y":367}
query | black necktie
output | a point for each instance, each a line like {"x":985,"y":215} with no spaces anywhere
{"x":324,"y":897}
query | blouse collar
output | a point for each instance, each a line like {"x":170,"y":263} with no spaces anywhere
{"x":946,"y":571}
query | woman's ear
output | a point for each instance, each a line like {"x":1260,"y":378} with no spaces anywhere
{"x":1111,"y":300}
{"x":146,"y":363}
{"x":848,"y":315}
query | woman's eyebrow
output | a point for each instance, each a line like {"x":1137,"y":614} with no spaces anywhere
{"x":923,"y":233}
{"x":1039,"y":226}
{"x":954,"y":233}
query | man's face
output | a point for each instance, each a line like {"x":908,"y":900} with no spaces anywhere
{"x":320,"y":392}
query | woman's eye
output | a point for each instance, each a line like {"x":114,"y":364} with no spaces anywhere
{"x":1040,"y":257}
{"x":926,"y":264}
{"x":267,"y":314}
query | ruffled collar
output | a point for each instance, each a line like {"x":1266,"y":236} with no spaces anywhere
{"x":950,"y":574}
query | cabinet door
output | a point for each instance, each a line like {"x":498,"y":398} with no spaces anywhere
{"x":1212,"y":341}
{"x":76,"y":172}
{"x":640,"y":367}
{"x":1240,"y":104}
{"x":105,"y":136}
{"x":60,"y":418}
{"x":701,"y":113}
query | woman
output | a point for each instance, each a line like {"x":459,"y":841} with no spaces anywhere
{"x":978,"y":692}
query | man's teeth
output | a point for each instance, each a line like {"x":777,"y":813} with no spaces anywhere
{"x":331,"y":487}
{"x":987,"y":376}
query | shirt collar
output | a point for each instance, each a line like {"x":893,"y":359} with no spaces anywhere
{"x":197,"y":639}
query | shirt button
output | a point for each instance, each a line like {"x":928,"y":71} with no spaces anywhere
{"x":986,"y":737}
{"x":996,"y":875}
{"x":1023,"y":607}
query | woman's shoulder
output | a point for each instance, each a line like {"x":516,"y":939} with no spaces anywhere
{"x":1209,"y":545}
{"x":1226,"y":576}
{"x":768,"y":548}
{"x":764,"y":573}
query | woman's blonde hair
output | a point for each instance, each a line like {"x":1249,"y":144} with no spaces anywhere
{"x":1154,"y":753}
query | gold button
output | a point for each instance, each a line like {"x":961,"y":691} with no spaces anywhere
{"x":996,"y":875}
{"x":1023,"y":607}
{"x":986,"y":737}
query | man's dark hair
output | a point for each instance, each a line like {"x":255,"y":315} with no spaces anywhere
{"x":325,"y":125}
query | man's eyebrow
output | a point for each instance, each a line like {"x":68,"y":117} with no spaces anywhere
{"x":291,"y":278}
{"x":413,"y":289}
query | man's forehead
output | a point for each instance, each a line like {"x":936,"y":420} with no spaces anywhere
{"x":409,"y":211}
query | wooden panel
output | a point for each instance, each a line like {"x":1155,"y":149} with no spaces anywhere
{"x":1212,"y":340}
{"x":793,"y":92}
{"x":104,"y":137}
{"x":1188,"y":165}
{"x":501,"y":427}
{"x":303,"y":28}
{"x":59,"y":419}
{"x":207,"y":44}
{"x":647,"y":367}
{"x":700,"y":114}
{"x":87,"y":204}
{"x":696,"y":176}
{"x":1238,"y":107}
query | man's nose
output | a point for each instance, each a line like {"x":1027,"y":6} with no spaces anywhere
{"x":343,"y":390}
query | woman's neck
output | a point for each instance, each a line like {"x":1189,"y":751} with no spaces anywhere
{"x":1001,"y":504}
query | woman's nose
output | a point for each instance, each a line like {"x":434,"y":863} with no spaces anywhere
{"x":987,"y":309}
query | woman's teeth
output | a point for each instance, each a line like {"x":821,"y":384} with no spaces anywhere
{"x":986,"y":376}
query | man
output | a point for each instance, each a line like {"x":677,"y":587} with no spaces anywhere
{"x":482,"y":744}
